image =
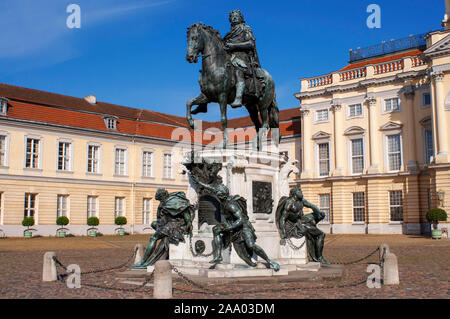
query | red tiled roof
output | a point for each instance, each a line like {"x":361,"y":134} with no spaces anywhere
{"x":381,"y":60}
{"x":56,"y":109}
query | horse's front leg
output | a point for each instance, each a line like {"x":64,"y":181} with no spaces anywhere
{"x":223,"y":112}
{"x":199,"y":100}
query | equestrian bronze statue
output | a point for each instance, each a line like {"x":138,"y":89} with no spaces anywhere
{"x":231,"y":74}
{"x":292,"y":223}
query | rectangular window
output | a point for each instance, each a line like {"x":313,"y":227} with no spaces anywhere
{"x":429,"y":149}
{"x":119,"y":167}
{"x":147,"y":161}
{"x":30,"y":205}
{"x":91,"y":206}
{"x":359,"y":207}
{"x":119,"y":207}
{"x":324,"y":205}
{"x":322,"y":115}
{"x":391,"y":104}
{"x":93,"y":159}
{"x":394,"y":152}
{"x":167,"y":166}
{"x":32,"y":153}
{"x":357,"y":156}
{"x":396,"y":205}
{"x":3,"y":106}
{"x":64,"y":156}
{"x":426,"y":99}
{"x":61,"y":205}
{"x":146,"y":211}
{"x":2,"y":150}
{"x":324,"y":159}
{"x":355,"y":110}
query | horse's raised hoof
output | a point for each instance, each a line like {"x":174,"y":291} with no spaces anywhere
{"x":202,"y":108}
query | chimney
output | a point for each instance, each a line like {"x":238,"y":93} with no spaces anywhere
{"x":91,"y":99}
{"x":446,"y":21}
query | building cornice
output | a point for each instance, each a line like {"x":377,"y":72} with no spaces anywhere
{"x":363,"y":84}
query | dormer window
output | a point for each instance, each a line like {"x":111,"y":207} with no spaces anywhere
{"x":111,"y":123}
{"x":3,"y":106}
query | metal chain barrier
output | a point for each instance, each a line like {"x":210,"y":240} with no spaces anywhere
{"x":205,"y":290}
{"x":356,"y":261}
{"x":98,"y":270}
{"x":194,"y":253}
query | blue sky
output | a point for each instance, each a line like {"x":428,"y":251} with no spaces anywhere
{"x":133,"y":52}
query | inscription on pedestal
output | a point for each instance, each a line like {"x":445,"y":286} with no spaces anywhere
{"x":262,"y":198}
{"x":208,"y":210}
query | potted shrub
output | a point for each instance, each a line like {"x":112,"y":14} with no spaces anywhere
{"x":120,"y":221}
{"x":28,"y":222}
{"x":93,"y":222}
{"x":62,"y":221}
{"x":434,"y":216}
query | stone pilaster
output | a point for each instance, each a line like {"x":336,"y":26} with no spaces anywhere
{"x":441,"y":123}
{"x":410,"y":131}
{"x":371,"y":103}
{"x":308,"y":150}
{"x":339,"y":140}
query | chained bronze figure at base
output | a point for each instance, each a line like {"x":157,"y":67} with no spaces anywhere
{"x":292,"y":223}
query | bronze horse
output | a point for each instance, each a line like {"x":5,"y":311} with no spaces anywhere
{"x":217,"y":82}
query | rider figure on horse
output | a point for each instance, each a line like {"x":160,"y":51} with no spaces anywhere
{"x":240,"y":42}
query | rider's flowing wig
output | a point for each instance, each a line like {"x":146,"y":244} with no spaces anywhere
{"x":239,"y":13}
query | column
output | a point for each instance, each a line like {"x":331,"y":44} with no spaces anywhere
{"x":371,"y":103}
{"x":340,"y":149}
{"x":441,"y":124}
{"x":410,"y":130}
{"x":307,"y":151}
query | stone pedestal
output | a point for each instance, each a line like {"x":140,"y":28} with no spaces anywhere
{"x":240,"y":169}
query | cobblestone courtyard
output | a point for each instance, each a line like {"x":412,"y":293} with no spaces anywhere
{"x":424,"y":269}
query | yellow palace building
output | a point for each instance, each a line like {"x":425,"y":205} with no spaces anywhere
{"x":375,"y":136}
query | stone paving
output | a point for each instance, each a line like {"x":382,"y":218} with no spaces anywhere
{"x":424,"y":269}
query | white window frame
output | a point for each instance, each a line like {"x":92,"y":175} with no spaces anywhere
{"x":317,"y":156}
{"x":152,"y":163}
{"x":385,"y":110}
{"x":349,"y":116}
{"x":394,"y":206}
{"x":316,"y":115}
{"x":147,"y":219}
{"x":171,"y":165}
{"x":327,"y":218}
{"x":3,"y":106}
{"x":386,"y":151}
{"x":110,"y":120}
{"x":426,"y":158}
{"x":40,"y":148}
{"x":27,"y":209}
{"x":6,"y":149}
{"x":359,"y":207}
{"x":119,"y":206}
{"x":350,"y":153}
{"x":99,"y":161}
{"x":70,"y":155}
{"x":89,"y":206}
{"x":59,"y":208}
{"x":125,"y":159}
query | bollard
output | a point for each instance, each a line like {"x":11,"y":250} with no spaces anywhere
{"x":139,"y":252}
{"x":162,"y":280}
{"x":382,"y":251}
{"x":49,"y":267}
{"x":390,"y":270}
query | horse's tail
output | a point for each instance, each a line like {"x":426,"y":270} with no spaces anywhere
{"x":274,"y":121}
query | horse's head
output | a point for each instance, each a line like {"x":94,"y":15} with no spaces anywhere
{"x":195,"y":42}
